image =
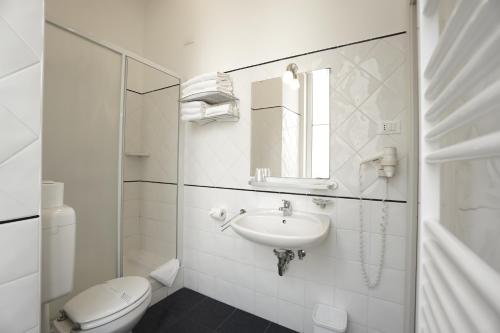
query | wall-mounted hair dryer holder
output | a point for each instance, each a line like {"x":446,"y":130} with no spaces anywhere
{"x":387,"y":161}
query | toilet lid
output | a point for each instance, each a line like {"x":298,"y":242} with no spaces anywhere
{"x":105,"y":300}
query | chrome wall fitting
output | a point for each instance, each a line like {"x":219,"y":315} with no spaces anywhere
{"x":301,"y":254}
{"x":322,"y":202}
{"x":284,"y":257}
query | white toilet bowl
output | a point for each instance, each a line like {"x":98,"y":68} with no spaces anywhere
{"x":112,"y":307}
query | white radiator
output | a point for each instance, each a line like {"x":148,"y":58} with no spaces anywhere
{"x":458,"y":289}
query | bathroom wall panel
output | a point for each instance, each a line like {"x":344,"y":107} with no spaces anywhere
{"x":21,"y":35}
{"x":231,"y":269}
{"x":369,"y":84}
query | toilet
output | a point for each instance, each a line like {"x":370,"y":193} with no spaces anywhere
{"x":114,"y":306}
{"x":111,"y":307}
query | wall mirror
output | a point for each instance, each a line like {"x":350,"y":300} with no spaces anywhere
{"x":291,"y":124}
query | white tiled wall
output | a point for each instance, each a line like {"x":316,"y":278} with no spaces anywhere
{"x":243,"y":274}
{"x":369,"y":83}
{"x":21,"y":36}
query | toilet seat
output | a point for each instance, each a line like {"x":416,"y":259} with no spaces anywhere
{"x":104,"y":303}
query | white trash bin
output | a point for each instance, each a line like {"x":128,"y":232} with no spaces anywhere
{"x":328,"y":319}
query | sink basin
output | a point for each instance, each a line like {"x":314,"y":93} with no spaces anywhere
{"x":269,"y":227}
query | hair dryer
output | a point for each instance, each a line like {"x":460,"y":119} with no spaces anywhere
{"x":387,"y":162}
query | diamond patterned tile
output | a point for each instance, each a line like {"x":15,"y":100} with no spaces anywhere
{"x":341,"y":109}
{"x":341,"y":153}
{"x":357,"y":130}
{"x":20,"y":55}
{"x":368,"y":85}
{"x":14,"y":134}
{"x":20,"y":179}
{"x":348,"y":175}
{"x":356,"y":53}
{"x":382,"y":60}
{"x":21,"y":93}
{"x":340,"y":66}
{"x":399,"y":81}
{"x":400,"y":41}
{"x":25,"y":20}
{"x":384,"y":104}
{"x":358,"y":86}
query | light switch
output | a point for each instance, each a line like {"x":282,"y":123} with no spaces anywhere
{"x":389,"y":127}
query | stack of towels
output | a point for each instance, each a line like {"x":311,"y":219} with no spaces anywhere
{"x":207,"y":82}
{"x":198,"y":110}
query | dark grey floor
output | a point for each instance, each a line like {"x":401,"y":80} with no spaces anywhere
{"x":187,"y":311}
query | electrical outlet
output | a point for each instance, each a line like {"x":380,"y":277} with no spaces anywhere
{"x":387,"y":127}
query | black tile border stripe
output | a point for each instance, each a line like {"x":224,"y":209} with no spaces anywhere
{"x":293,"y":193}
{"x":148,"y":181}
{"x":316,"y":51}
{"x":20,"y":219}
{"x":151,"y":91}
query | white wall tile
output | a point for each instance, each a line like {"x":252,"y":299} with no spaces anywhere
{"x":206,"y":285}
{"x":385,"y":316}
{"x":355,"y":304}
{"x":317,"y":293}
{"x":290,"y":315}
{"x":19,"y":55}
{"x":25,"y":20}
{"x":391,"y":286}
{"x":190,"y":279}
{"x":266,"y":282}
{"x":19,"y":304}
{"x":19,"y":246}
{"x":291,"y":289}
{"x":266,"y":307}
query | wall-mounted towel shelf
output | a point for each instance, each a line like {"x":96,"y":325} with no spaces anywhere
{"x":136,"y":154}
{"x":210,"y":97}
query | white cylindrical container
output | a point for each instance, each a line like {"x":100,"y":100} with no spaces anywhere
{"x":58,"y":242}
{"x":52,"y":194}
{"x":328,"y":319}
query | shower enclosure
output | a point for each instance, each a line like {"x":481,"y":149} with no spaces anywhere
{"x":110,"y":133}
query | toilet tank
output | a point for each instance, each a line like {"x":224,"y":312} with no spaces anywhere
{"x":58,"y":242}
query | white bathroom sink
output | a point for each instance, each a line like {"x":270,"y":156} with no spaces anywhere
{"x":269,"y":227}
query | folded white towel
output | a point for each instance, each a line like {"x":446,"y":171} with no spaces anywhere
{"x":189,"y":117}
{"x":192,"y":108}
{"x":191,"y":111}
{"x":220,"y":109}
{"x":205,"y":77}
{"x":211,"y":85}
{"x":166,"y":273}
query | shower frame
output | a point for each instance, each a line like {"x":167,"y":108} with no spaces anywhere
{"x":126,"y":54}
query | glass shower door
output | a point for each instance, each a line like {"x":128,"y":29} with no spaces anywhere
{"x":150,"y":159}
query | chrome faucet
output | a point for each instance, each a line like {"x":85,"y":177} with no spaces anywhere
{"x":287,"y":208}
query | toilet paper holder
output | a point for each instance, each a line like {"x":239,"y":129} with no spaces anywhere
{"x":218,"y":214}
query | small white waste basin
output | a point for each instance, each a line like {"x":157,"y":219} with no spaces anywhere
{"x":328,"y":319}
